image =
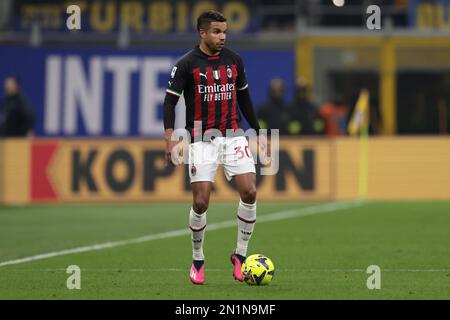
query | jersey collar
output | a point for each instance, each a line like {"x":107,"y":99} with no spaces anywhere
{"x":197,"y":48}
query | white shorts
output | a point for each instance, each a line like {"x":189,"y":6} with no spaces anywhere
{"x":233,"y":153}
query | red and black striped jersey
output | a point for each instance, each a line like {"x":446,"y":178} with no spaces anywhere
{"x":209,"y":84}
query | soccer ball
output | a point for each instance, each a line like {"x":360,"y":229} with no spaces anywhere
{"x":258,"y":270}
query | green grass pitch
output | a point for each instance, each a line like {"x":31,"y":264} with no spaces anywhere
{"x":319,"y":256}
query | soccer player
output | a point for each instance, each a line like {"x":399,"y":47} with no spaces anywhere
{"x":213,"y":81}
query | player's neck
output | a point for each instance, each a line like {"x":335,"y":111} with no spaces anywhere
{"x":204,"y":48}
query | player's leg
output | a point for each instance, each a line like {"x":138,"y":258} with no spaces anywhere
{"x":197,"y":223}
{"x":202,"y":176}
{"x":197,"y":217}
{"x":239,"y":165}
{"x":246,"y":218}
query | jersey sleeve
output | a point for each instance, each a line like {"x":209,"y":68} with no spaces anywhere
{"x":178,"y":78}
{"x":241,"y":81}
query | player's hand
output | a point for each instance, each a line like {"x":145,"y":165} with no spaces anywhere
{"x":174,"y":152}
{"x":175,"y":149}
{"x":264,"y":149}
{"x":170,"y":145}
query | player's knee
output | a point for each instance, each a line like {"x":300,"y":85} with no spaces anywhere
{"x":249,"y":195}
{"x":200,"y":205}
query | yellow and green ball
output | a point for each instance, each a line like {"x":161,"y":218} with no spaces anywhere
{"x":258,"y":270}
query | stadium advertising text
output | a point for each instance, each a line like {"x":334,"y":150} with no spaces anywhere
{"x":137,"y":16}
{"x":426,"y":15}
{"x":83,"y":170}
{"x":91,"y":92}
{"x":86,"y":170}
{"x":79,"y":92}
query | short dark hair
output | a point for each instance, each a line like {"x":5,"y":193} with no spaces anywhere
{"x":205,"y":19}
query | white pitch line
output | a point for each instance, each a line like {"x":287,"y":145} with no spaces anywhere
{"x":322,"y":208}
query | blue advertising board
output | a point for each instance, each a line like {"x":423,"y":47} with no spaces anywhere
{"x":94,"y":92}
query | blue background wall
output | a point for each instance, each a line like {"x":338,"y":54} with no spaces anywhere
{"x":29,"y":64}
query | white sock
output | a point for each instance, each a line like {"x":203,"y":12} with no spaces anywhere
{"x":197,"y":224}
{"x":246,"y":219}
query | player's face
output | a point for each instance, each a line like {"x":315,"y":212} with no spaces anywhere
{"x":214,"y":37}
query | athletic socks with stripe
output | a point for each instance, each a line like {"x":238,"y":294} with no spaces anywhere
{"x":197,"y":224}
{"x":246,"y":219}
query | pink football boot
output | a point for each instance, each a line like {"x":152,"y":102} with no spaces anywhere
{"x":237,"y":260}
{"x":197,"y":276}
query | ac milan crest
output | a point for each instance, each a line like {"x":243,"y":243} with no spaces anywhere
{"x":229,"y":72}
{"x":193,"y":170}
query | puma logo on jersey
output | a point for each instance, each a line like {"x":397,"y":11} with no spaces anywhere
{"x":204,"y":75}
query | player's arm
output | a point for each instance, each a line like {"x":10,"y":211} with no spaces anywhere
{"x":173,"y":92}
{"x":247,"y":109}
{"x":243,"y":97}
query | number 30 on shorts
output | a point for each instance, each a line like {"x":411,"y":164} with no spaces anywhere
{"x":240,"y":153}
